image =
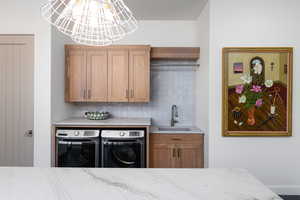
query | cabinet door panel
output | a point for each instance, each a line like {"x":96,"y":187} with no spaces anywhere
{"x":190,"y":156}
{"x":118,"y":76}
{"x":97,"y":76}
{"x":176,"y":150}
{"x":139,"y":74}
{"x":76,"y":76}
{"x":161,"y":156}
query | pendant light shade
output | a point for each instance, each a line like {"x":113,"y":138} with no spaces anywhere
{"x":91,"y":22}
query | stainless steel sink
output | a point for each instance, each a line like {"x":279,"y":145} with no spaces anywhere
{"x":173,"y":129}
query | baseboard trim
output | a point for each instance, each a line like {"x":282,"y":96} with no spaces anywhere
{"x":285,"y":189}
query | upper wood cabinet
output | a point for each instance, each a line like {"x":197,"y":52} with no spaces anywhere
{"x":97,"y":76}
{"x":139,"y":73}
{"x":176,"y":151}
{"x":118,"y":76}
{"x":107,"y":74}
{"x":177,"y":53}
{"x":76,"y":75}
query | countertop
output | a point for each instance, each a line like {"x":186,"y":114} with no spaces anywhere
{"x":133,"y":184}
{"x":108,"y":122}
{"x":193,"y":130}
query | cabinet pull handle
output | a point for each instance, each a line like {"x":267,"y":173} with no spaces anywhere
{"x":84,"y":93}
{"x":178,"y":152}
{"x":127,"y":93}
{"x":132,"y":93}
{"x":174,"y":153}
{"x":89,"y":94}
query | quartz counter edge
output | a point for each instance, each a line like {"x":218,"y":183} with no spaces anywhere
{"x":109,"y":122}
{"x":194,"y":130}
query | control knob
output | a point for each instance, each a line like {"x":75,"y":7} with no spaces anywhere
{"x":122,"y":134}
{"x":76,"y":133}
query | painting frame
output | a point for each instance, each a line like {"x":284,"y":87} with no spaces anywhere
{"x":225,"y":86}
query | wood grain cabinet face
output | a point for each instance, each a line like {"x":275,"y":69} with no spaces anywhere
{"x":76,"y":76}
{"x":118,"y":76}
{"x":112,"y":74}
{"x":190,"y":156}
{"x":176,"y":151}
{"x":139,"y":73}
{"x":160,"y":156}
{"x":97,"y":81}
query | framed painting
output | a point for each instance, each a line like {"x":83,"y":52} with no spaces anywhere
{"x":257,"y":91}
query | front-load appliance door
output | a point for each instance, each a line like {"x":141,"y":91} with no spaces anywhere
{"x":123,"y":154}
{"x":77,"y":154}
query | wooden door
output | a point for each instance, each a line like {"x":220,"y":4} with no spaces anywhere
{"x":97,"y":76}
{"x":76,"y":80}
{"x":118,"y":76}
{"x":190,"y":156}
{"x":161,"y":156}
{"x":139,"y":75}
{"x":16,"y":100}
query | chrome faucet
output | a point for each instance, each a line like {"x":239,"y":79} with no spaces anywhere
{"x":174,"y":115}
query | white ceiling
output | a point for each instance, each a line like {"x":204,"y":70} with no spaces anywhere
{"x":166,"y":9}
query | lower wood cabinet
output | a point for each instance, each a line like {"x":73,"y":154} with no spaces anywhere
{"x":176,"y":151}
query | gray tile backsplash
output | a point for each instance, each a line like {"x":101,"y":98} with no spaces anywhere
{"x":168,"y":87}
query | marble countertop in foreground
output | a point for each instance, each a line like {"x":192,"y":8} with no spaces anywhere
{"x":133,"y":184}
{"x":108,"y":122}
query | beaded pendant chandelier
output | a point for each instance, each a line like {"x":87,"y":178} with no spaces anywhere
{"x":91,"y":22}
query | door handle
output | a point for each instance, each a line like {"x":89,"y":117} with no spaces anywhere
{"x":28,"y":133}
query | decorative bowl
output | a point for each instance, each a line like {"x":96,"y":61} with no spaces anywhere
{"x":97,"y":115}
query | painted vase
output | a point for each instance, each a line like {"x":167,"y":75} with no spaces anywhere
{"x":251,"y":116}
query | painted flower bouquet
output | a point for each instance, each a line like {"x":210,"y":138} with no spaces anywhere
{"x":251,"y":94}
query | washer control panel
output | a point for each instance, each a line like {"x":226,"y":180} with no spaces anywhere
{"x":77,"y":133}
{"x":122,"y":134}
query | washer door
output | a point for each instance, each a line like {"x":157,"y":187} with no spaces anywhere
{"x":77,"y":154}
{"x":126,"y":154}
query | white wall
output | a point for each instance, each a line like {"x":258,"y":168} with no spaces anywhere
{"x":23,"y":17}
{"x":165,"y":33}
{"x":59,"y":109}
{"x":202,"y":78}
{"x":275,"y":161}
{"x":155,"y":33}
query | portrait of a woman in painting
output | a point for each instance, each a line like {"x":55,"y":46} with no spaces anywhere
{"x":257,"y":91}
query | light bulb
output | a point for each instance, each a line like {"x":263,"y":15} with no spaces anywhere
{"x":77,"y":8}
{"x":88,"y":11}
